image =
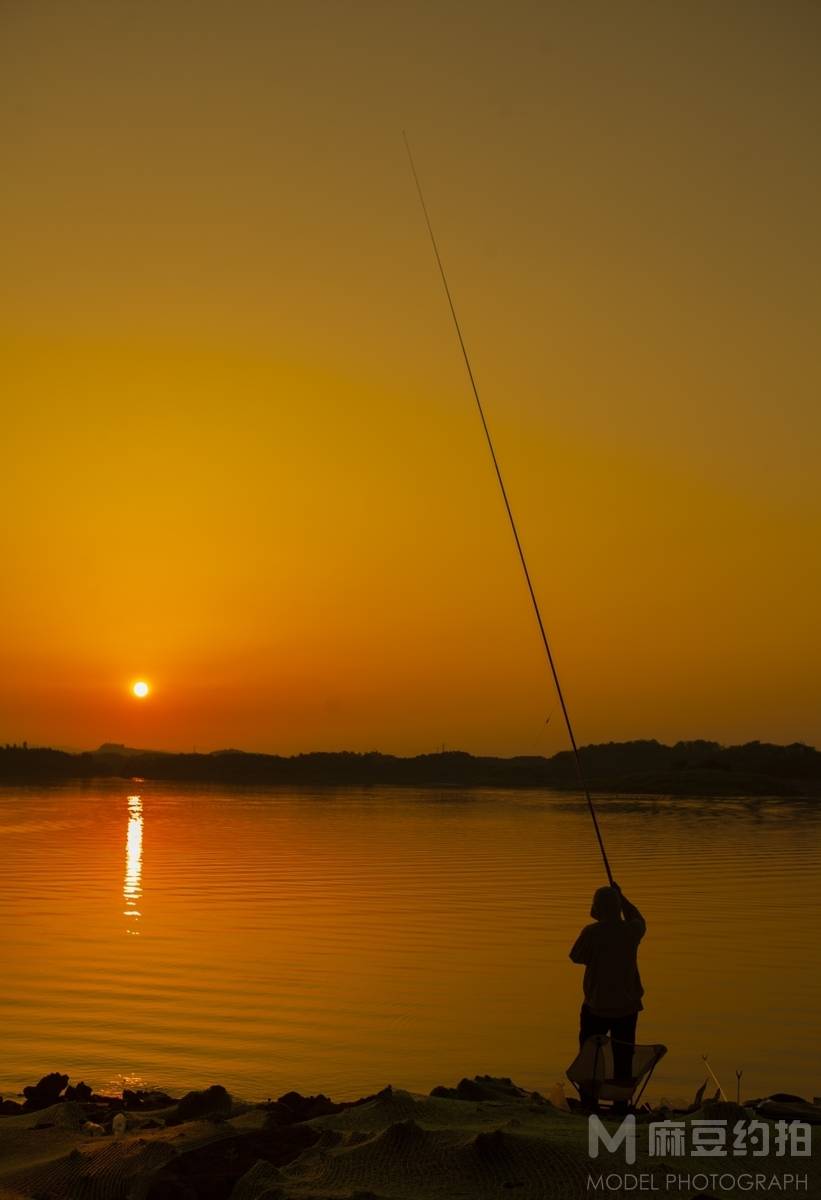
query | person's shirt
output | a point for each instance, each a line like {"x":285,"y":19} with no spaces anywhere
{"x":608,"y":950}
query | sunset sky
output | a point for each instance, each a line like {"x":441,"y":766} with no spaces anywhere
{"x":240,"y":459}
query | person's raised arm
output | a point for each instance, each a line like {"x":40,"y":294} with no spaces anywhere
{"x":631,"y":913}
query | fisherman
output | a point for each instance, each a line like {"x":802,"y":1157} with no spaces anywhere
{"x":612,"y":987}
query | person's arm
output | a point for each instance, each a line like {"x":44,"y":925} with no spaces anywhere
{"x":631,"y":913}
{"x":580,"y":952}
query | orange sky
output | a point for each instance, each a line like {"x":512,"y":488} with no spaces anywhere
{"x":240,"y":459}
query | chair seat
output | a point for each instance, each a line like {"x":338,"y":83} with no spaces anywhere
{"x":591,"y":1072}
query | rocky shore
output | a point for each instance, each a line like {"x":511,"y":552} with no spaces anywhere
{"x":484,"y":1138}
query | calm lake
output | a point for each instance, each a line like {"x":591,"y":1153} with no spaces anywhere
{"x":340,"y":940}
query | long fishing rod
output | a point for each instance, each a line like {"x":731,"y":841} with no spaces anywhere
{"x":503,"y":489}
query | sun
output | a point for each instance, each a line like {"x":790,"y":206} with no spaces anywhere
{"x":141,"y":689}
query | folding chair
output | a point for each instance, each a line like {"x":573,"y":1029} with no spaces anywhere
{"x":592,"y":1074}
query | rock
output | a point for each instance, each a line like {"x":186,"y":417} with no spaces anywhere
{"x":119,"y":1126}
{"x":482,"y":1087}
{"x":80,"y":1091}
{"x":276,"y":1114}
{"x":10,"y":1108}
{"x":776,"y":1109}
{"x":45,"y":1093}
{"x":92,"y":1129}
{"x":146,"y":1100}
{"x":293,"y":1107}
{"x":305,"y":1108}
{"x":213,"y":1100}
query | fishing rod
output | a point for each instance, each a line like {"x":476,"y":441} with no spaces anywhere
{"x":508,"y":509}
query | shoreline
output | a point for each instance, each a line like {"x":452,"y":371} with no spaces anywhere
{"x":484,"y":1138}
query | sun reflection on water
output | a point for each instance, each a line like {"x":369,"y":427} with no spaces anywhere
{"x":132,"y":884}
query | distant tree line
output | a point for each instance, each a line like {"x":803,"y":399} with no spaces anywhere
{"x":686,"y":768}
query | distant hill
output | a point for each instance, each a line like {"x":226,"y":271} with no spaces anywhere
{"x":119,"y":748}
{"x":698,"y":768}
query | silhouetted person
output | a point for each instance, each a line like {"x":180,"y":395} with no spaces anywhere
{"x":612,"y":987}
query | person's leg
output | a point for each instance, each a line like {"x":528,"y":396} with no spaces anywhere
{"x":589,"y":1024}
{"x":623,"y":1032}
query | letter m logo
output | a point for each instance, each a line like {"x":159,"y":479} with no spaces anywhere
{"x":625,"y":1135}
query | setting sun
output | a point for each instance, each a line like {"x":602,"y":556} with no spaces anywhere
{"x":141,"y":690}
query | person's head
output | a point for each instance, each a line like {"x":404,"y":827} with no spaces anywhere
{"x":606,"y":905}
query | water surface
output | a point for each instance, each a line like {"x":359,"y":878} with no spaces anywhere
{"x":340,"y":940}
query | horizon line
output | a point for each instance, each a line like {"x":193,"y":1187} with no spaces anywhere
{"x":122,"y":749}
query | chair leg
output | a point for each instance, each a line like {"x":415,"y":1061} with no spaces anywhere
{"x":644,"y":1085}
